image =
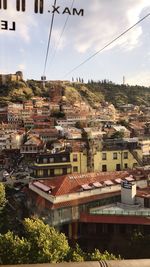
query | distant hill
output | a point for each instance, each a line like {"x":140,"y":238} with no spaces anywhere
{"x":122,"y":94}
{"x":92,"y":92}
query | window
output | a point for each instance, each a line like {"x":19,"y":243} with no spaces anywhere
{"x":118,"y":167}
{"x":75,"y":169}
{"x":64,"y":171}
{"x":104,"y":156}
{"x":45,"y":160}
{"x":52,"y":172}
{"x":104,"y":168}
{"x":115,"y":156}
{"x":125,"y":155}
{"x":146,"y":203}
{"x":64,"y":159}
{"x":126,"y":166}
{"x":51,"y":160}
{"x":40,"y":173}
{"x":135,"y":164}
{"x":75,"y":157}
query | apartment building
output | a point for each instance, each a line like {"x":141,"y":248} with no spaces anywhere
{"x":59,"y":163}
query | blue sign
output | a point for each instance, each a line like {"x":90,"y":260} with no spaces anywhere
{"x":126,"y":185}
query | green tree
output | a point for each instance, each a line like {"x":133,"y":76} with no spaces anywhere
{"x":46,"y":244}
{"x":124,"y":123}
{"x":97,"y":256}
{"x":118,"y":135}
{"x":13,"y":250}
{"x":76,"y":254}
{"x":41,"y":244}
{"x":139,"y":245}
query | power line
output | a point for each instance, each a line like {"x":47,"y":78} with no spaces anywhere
{"x":100,"y":50}
{"x":49,"y":39}
{"x":62,"y":32}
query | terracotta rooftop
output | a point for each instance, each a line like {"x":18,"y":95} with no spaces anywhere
{"x":73,"y":183}
{"x":33,"y":140}
{"x":77,"y":145}
{"x":144,"y":192}
{"x":137,"y":125}
{"x":44,"y":131}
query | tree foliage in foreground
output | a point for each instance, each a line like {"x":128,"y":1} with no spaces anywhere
{"x":46,"y":244}
{"x":42,"y":244}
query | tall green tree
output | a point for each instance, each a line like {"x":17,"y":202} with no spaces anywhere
{"x":40,"y":244}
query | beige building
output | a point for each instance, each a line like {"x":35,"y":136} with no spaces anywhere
{"x":5,"y":78}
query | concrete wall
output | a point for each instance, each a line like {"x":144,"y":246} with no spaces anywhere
{"x":128,"y":194}
{"x":120,"y":263}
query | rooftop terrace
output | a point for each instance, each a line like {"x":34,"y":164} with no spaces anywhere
{"x":121,"y":209}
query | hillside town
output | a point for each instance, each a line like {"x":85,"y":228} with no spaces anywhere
{"x":84,"y":169}
{"x":74,"y":133}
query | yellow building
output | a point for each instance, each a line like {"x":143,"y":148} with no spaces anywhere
{"x":117,"y":156}
{"x":78,"y":162}
{"x":62,"y":163}
{"x":107,"y":156}
{"x":115,"y":160}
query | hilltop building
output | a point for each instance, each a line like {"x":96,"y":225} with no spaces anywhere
{"x":5,"y":78}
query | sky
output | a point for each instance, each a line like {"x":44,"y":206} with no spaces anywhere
{"x":103,"y":20}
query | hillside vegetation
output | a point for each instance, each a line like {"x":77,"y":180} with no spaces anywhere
{"x":92,"y":92}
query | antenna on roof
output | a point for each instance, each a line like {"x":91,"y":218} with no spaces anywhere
{"x":124,"y":80}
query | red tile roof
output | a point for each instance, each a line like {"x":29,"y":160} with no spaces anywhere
{"x":144,"y":192}
{"x":72,"y":183}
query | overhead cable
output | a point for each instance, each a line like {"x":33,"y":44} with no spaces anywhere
{"x":62,"y":32}
{"x":100,"y":50}
{"x":49,"y":39}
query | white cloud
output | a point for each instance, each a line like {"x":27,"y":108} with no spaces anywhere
{"x":105,"y":20}
{"x":57,"y":41}
{"x":21,"y":67}
{"x":141,"y":78}
{"x":24,"y":22}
